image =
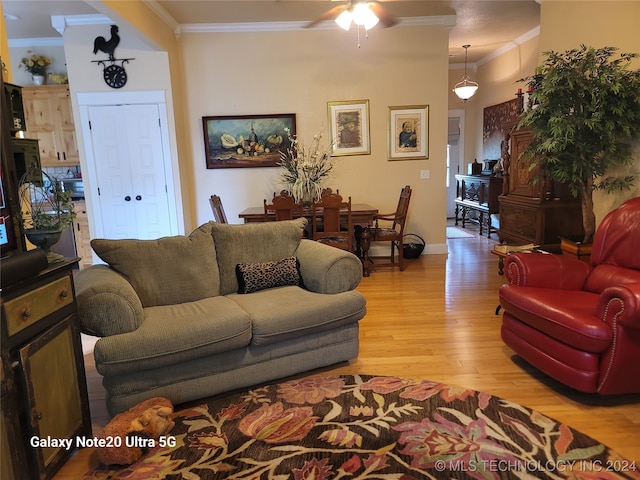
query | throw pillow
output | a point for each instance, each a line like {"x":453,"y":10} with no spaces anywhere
{"x":253,"y":277}
{"x":166,"y":271}
{"x":253,"y":243}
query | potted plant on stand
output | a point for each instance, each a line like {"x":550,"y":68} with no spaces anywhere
{"x":45,"y":211}
{"x":585,"y":119}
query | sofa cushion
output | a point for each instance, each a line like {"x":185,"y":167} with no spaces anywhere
{"x":253,"y":277}
{"x":172,"y":334}
{"x":167,"y":270}
{"x":251,"y":243}
{"x":284,"y":313}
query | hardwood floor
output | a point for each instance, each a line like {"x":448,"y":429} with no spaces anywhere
{"x":436,"y":320}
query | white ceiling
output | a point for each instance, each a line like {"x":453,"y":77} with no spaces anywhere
{"x":487,"y":25}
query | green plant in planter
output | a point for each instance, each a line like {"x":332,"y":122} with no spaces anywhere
{"x":585,"y":121}
{"x":45,"y":211}
{"x":44,"y":205}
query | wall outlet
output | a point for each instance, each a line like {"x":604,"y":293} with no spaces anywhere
{"x":424,"y":173}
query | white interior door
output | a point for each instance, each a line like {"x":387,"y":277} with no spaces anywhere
{"x":129,"y":166}
{"x":455,"y":156}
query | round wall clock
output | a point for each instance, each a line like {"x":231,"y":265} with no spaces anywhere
{"x":115,"y":76}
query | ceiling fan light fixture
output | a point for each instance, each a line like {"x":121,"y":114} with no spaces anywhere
{"x":344,"y":19}
{"x":360,"y":14}
{"x":363,"y":15}
{"x":466,"y":88}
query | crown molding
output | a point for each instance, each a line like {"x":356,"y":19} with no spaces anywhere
{"x":534,"y":32}
{"x":61,"y":22}
{"x":165,"y":16}
{"x":36,"y":42}
{"x":447,"y":21}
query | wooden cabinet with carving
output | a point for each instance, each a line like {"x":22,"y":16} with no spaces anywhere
{"x":533,"y":209}
{"x":81,"y":234}
{"x":49,"y":118}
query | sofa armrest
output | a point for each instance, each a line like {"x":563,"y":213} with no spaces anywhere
{"x":621,"y":304}
{"x":107,"y":303}
{"x":327,"y":269}
{"x":546,"y":271}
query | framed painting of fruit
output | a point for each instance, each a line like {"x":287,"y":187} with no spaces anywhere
{"x":247,"y":140}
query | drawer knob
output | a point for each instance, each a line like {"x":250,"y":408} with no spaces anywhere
{"x":26,"y":313}
{"x":63,"y":294}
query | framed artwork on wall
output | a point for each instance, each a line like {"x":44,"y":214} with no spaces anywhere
{"x":240,"y":141}
{"x":349,"y":127}
{"x":408,"y":132}
{"x":493,"y":119}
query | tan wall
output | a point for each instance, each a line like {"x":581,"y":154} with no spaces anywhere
{"x":139,"y":23}
{"x":5,"y":55}
{"x":567,"y":24}
{"x":299,"y":72}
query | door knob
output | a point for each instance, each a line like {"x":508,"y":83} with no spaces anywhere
{"x":127,"y":198}
{"x":138,"y":197}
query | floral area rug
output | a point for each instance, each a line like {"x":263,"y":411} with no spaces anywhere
{"x":365,"y":427}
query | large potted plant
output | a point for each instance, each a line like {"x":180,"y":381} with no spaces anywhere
{"x":45,"y":211}
{"x":585,"y":120}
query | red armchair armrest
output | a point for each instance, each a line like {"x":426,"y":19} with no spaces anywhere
{"x":620,"y":304}
{"x":546,"y":271}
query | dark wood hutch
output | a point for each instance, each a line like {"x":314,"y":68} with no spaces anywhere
{"x":533,"y":208}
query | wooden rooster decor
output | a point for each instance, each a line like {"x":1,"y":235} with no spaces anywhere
{"x":107,"y":46}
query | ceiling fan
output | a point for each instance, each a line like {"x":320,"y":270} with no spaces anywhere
{"x":362,"y":13}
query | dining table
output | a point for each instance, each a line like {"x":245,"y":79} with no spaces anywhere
{"x":362,"y":217}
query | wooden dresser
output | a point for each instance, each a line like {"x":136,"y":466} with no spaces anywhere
{"x":477,"y":199}
{"x":44,"y":390}
{"x":533,"y":209}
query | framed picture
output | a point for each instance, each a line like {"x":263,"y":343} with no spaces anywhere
{"x":240,"y":141}
{"x":408,"y":135}
{"x":493,"y":119}
{"x":349,"y":127}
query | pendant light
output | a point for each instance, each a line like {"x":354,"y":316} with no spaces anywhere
{"x":466,"y":88}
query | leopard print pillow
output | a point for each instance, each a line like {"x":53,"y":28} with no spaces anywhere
{"x":253,"y":277}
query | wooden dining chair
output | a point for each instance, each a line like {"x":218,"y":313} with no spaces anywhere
{"x":395,"y":231}
{"x":283,"y":206}
{"x":331,"y":222}
{"x":218,"y":211}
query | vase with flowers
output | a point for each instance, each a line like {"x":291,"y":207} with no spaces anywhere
{"x":45,"y":210}
{"x":305,"y":167}
{"x":36,"y":65}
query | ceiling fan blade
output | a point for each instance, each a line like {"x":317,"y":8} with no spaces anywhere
{"x":386,"y":19}
{"x":328,"y":15}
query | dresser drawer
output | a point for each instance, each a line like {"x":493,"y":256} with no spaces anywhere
{"x":33,"y":306}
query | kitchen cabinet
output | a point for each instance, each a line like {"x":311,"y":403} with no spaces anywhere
{"x":44,"y":384}
{"x":49,"y":118}
{"x":81,"y":233}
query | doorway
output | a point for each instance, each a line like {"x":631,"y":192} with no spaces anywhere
{"x":130,"y":186}
{"x":455,"y":156}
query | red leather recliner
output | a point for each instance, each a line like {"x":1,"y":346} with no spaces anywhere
{"x":577,"y":322}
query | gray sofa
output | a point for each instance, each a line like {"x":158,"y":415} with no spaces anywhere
{"x":173,"y":323}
